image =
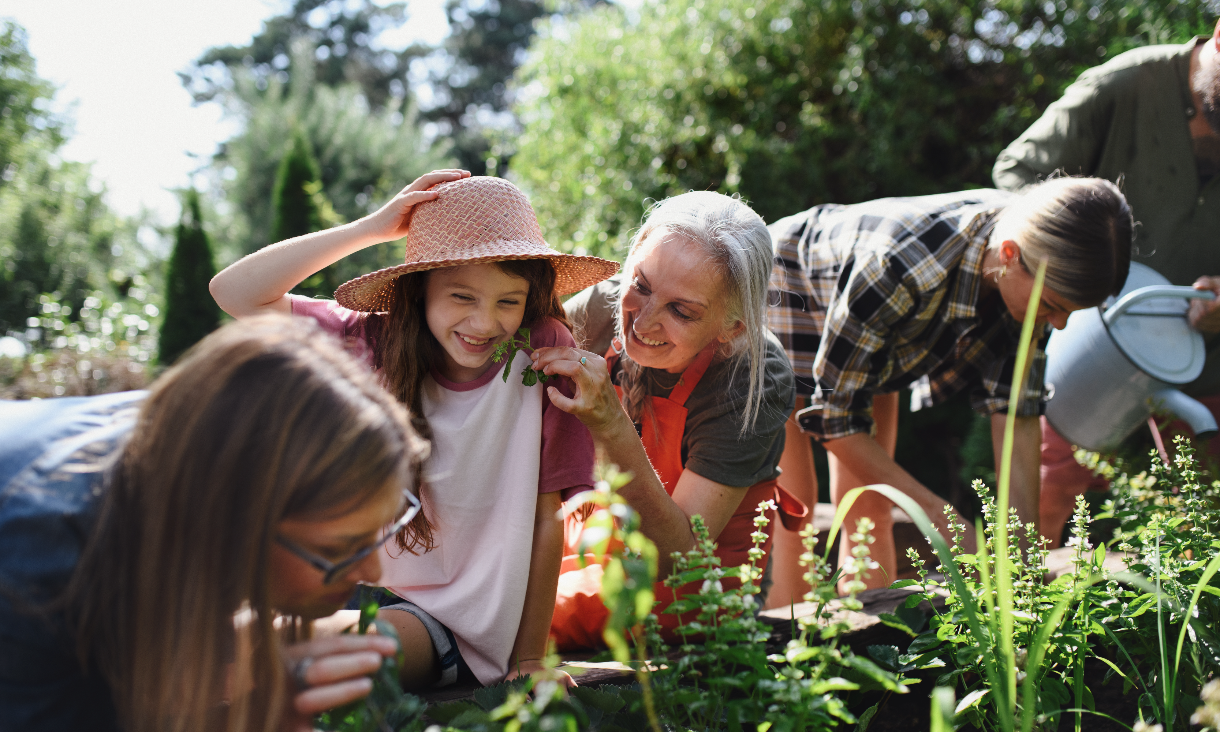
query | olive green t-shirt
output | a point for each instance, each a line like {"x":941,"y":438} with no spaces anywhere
{"x":713,"y":445}
{"x":1128,"y":121}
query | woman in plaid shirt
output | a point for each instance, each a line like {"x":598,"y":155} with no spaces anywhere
{"x":926,"y":293}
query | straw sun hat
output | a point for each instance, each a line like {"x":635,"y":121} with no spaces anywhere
{"x":473,"y":220}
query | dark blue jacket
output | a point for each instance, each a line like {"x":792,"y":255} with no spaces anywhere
{"x":53,"y":454}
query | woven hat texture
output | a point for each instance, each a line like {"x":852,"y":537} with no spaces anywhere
{"x":473,"y":220}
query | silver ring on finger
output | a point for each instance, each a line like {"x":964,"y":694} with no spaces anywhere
{"x":583,"y":360}
{"x":299,"y":669}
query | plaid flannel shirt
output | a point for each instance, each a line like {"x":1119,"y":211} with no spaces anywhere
{"x":883,"y":295}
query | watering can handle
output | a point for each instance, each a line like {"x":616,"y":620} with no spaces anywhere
{"x":1153,"y":292}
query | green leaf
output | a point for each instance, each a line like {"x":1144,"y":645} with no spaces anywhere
{"x":924,"y":642}
{"x":896,"y":622}
{"x":970,"y":700}
{"x":867,"y":717}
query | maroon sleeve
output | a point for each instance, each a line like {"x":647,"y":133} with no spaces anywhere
{"x":346,"y":325}
{"x":567,"y":446}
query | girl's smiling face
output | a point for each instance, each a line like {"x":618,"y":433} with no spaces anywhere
{"x":469,"y":310}
{"x":674,"y":304}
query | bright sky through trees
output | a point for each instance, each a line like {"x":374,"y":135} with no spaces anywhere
{"x":115,"y":64}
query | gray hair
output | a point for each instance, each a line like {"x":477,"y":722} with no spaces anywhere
{"x":1081,"y":227}
{"x":738,"y":247}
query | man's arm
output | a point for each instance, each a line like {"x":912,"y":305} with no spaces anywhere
{"x":1067,"y":137}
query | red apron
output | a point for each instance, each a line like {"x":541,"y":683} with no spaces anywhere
{"x":580,"y":614}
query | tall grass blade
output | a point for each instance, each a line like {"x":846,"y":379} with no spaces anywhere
{"x":974,"y":618}
{"x":942,"y":709}
{"x":1003,"y":569}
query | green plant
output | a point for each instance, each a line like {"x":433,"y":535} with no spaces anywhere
{"x":533,"y":704}
{"x":190,"y":311}
{"x":1065,"y":639}
{"x":507,"y":351}
{"x":387,"y":708}
{"x":721,"y":675}
{"x":1169,"y":530}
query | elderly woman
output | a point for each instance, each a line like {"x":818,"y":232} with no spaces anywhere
{"x":927,"y":293}
{"x":703,"y":389}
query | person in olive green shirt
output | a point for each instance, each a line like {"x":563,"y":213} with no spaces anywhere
{"x":1148,"y":119}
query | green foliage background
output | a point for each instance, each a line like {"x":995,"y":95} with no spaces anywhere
{"x":793,"y":103}
{"x":56,"y":233}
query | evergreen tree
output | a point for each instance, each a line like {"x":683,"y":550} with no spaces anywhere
{"x":190,"y":311}
{"x":300,"y":207}
{"x":294,"y":197}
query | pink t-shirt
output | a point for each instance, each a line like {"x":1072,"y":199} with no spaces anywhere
{"x":567,"y":447}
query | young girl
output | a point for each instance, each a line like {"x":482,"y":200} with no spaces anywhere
{"x":478,"y":575}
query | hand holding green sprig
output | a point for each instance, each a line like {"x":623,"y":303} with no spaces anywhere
{"x":507,"y":351}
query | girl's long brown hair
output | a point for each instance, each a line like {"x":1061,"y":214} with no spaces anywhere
{"x":404,"y":350}
{"x":263,"y":420}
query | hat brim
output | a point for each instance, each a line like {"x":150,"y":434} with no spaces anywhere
{"x":372,"y":293}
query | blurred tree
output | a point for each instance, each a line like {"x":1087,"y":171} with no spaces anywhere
{"x":57,"y":235}
{"x":795,"y":102}
{"x":342,"y":34}
{"x":294,"y":196}
{"x":300,"y":208}
{"x":24,"y":100}
{"x":487,"y":41}
{"x":364,"y":156}
{"x":190,"y":311}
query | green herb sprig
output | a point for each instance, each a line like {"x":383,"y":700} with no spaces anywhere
{"x":507,"y":351}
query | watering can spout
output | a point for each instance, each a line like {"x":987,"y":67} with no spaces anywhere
{"x":1190,"y":411}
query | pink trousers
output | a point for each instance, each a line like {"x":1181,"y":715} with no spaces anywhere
{"x":1063,"y":478}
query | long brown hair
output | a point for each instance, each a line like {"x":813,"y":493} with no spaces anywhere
{"x":263,"y":420}
{"x":404,"y":350}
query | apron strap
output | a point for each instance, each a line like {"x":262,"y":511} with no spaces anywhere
{"x":690,"y":377}
{"x":693,"y":373}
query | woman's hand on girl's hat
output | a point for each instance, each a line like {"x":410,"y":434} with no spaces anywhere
{"x":595,"y":402}
{"x":338,"y":673}
{"x":391,"y":221}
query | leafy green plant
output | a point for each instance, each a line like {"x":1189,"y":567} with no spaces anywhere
{"x":531,"y":704}
{"x":721,"y":675}
{"x":1169,"y":530}
{"x":507,"y":351}
{"x":612,"y":535}
{"x":387,"y":708}
{"x":1065,"y":639}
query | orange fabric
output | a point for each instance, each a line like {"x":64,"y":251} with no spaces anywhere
{"x":580,"y":614}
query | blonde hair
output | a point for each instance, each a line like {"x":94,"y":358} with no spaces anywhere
{"x":738,"y":247}
{"x":1081,"y":227}
{"x":263,"y":420}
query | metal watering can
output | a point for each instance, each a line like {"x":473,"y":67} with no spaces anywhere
{"x":1112,"y":366}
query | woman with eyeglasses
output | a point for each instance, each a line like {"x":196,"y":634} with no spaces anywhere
{"x":162,"y":554}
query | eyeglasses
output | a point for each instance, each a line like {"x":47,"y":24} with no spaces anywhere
{"x":334,"y":570}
